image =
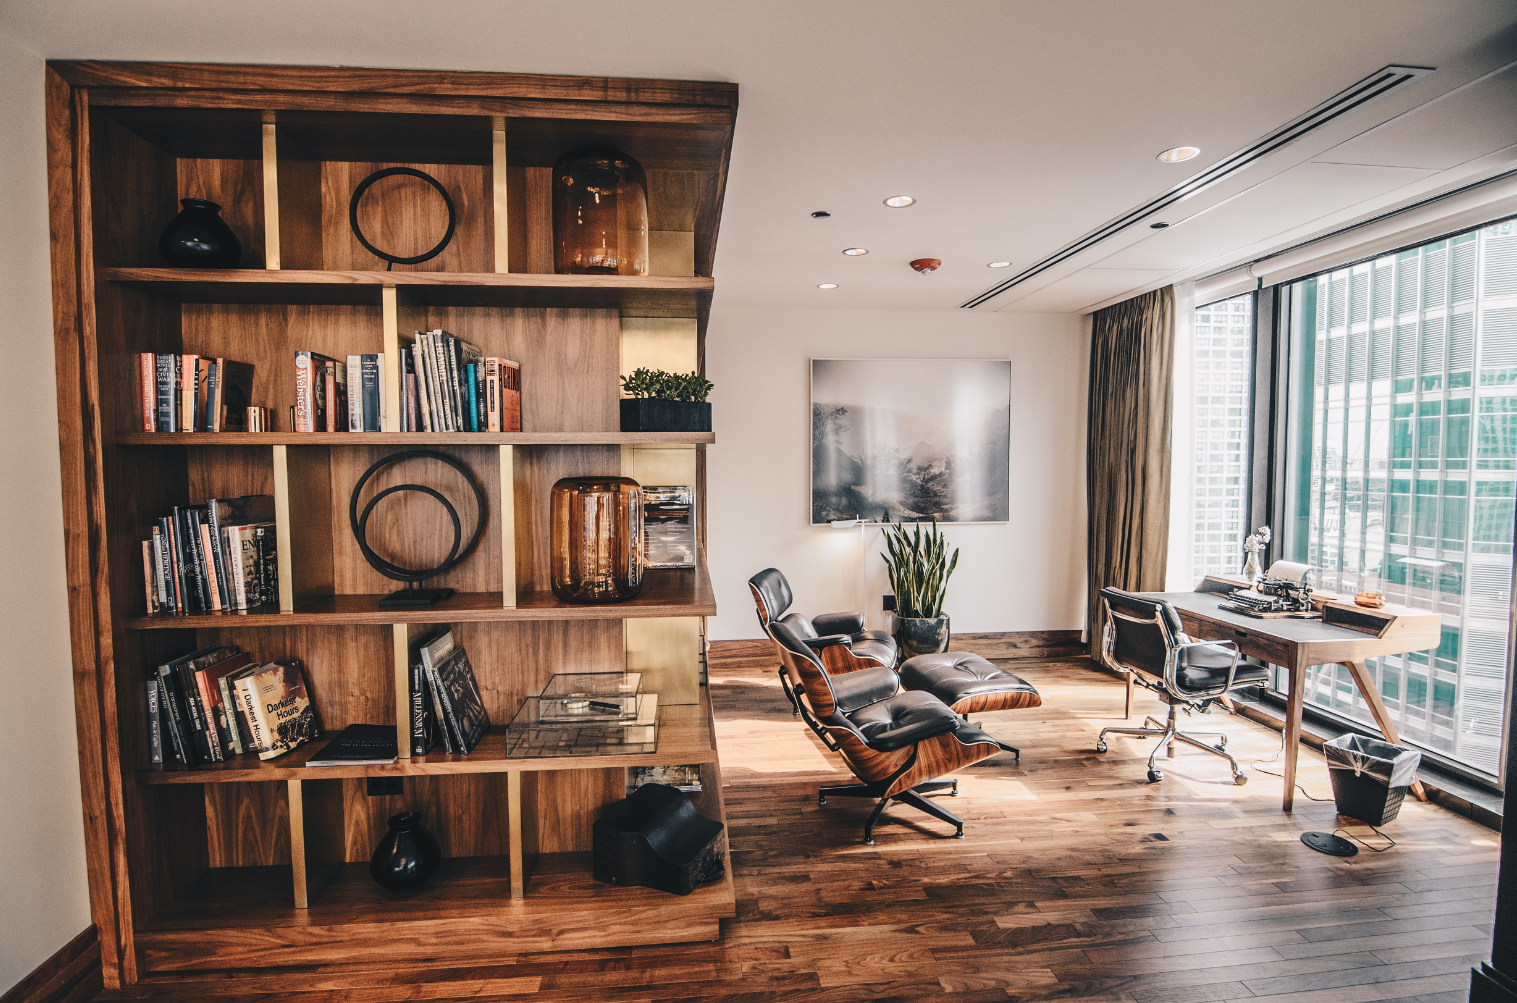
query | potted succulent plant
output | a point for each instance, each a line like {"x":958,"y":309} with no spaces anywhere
{"x":657,"y":401}
{"x":919,"y":568}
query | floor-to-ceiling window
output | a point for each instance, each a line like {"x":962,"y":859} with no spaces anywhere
{"x":1222,"y":343}
{"x":1400,"y":471}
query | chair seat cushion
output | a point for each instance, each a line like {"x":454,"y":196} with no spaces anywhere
{"x":901,"y":720}
{"x":968,"y":683}
{"x":852,"y":690}
{"x":1204,"y":667}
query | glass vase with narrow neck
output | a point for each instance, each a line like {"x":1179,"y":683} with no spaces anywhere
{"x":600,"y":214}
{"x":597,"y":539}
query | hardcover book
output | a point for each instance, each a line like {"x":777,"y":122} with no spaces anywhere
{"x":359,"y":745}
{"x":213,"y":685}
{"x":307,"y":378}
{"x":282,"y":710}
{"x":154,"y":723}
{"x":461,"y":701}
{"x":233,"y":396}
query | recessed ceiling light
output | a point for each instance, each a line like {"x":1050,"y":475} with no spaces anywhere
{"x":1178,"y":154}
{"x":820,"y":214}
{"x":1157,"y":226}
{"x":854,"y":252}
{"x":999,"y":264}
{"x":899,"y":201}
{"x":826,"y":285}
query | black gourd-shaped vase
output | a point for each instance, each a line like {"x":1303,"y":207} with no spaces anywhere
{"x":407,"y":856}
{"x":199,"y":238}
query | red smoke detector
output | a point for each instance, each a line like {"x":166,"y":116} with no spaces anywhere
{"x":925,"y":265}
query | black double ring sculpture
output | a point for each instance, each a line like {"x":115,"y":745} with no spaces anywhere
{"x":395,"y":259}
{"x":360,"y":522}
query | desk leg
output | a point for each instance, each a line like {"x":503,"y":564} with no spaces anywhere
{"x":1293,"y":704}
{"x":1127,"y":709}
{"x":1366,"y":684}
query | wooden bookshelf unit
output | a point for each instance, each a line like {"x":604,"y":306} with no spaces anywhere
{"x":249,"y":863}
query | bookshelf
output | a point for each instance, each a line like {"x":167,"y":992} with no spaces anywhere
{"x":254,"y":864}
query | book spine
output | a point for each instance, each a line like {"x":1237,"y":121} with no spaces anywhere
{"x":373,"y":392}
{"x":195,"y":560}
{"x":381,"y":399}
{"x":208,"y":401}
{"x":440,"y":692}
{"x":492,"y":395}
{"x":473,"y":404}
{"x":305,"y":392}
{"x":149,"y":587}
{"x":179,"y":715}
{"x":187,"y":376}
{"x":147,"y":366}
{"x":208,"y":708}
{"x":212,"y":581}
{"x":409,"y":415}
{"x":510,"y":396}
{"x":247,"y":700}
{"x":160,"y":572}
{"x":219,"y":554}
{"x":164,"y":416}
{"x":481,"y":401}
{"x":268,"y":564}
{"x":185,"y":679}
{"x":329,"y":411}
{"x":229,"y":708}
{"x":434,"y":685}
{"x":419,"y":744}
{"x":435,"y":369}
{"x":215,"y":412}
{"x":154,"y":724}
{"x":357,"y":400}
{"x":419,"y":377}
{"x":168,"y":548}
{"x":180,"y":551}
{"x":168,"y":716}
{"x":453,"y":376}
{"x":232,"y":545}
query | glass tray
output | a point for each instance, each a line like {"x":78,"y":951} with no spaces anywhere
{"x":577,"y":697}
{"x":532,"y":736}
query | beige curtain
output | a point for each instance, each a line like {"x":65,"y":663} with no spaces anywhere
{"x":1132,"y":363}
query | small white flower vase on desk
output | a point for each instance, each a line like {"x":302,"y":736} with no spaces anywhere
{"x":1251,"y":568}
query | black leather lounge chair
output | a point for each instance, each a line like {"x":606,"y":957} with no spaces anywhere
{"x":1144,"y":637}
{"x":772,"y":595}
{"x":896,"y":742}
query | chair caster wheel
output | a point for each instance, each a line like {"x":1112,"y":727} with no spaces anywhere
{"x":820,"y":802}
{"x":959,"y":834}
{"x":869,"y":842}
{"x":1154,"y":776}
{"x":1240,"y":779}
{"x":1101,"y":746}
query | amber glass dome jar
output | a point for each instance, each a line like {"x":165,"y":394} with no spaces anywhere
{"x":600,"y":214}
{"x":597,"y":539}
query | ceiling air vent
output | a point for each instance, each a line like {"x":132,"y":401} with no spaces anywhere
{"x":1374,"y":86}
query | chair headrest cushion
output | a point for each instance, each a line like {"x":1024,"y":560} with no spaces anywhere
{"x":773,"y":590}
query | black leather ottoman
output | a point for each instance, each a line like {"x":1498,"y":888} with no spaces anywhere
{"x":968,"y":683}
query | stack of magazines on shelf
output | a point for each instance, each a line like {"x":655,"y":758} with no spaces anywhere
{"x":217,"y":702}
{"x":446,"y":710}
{"x":586,"y":714}
{"x":216,"y":557}
{"x":448,"y":386}
{"x":184,"y":392}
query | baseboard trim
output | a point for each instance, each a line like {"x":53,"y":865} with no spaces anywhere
{"x":72,"y":975}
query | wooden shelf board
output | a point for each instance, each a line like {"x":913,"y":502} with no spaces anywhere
{"x":414,"y":438}
{"x":684,"y":736}
{"x":666,"y":592}
{"x":634,"y":295}
{"x":243,"y":917}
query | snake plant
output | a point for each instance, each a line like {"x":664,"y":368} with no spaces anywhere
{"x":919,"y":568}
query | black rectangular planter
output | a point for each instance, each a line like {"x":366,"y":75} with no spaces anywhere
{"x":644,"y":414}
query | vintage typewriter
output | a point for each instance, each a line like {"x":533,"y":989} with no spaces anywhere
{"x":1275,"y":598}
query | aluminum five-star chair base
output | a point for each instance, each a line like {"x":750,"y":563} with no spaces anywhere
{"x":912,"y":797}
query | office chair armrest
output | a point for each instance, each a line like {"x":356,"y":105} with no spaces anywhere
{"x":838,"y":623}
{"x":818,"y":643}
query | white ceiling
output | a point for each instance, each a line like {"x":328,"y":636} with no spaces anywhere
{"x":1018,"y":126}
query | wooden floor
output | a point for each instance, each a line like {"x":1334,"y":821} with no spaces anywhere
{"x":1077,"y":881}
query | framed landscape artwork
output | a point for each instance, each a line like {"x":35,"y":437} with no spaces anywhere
{"x":910,"y":439}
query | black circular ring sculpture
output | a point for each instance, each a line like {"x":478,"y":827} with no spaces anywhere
{"x":395,"y":259}
{"x":413,"y":594}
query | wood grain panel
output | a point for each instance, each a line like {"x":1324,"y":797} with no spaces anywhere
{"x":529,"y":236}
{"x":538,"y":468}
{"x":569,"y":361}
{"x":247,"y":825}
{"x":228,"y":472}
{"x":515,"y":660}
{"x":566,"y":805}
{"x":303,"y":514}
{"x":316,"y":835}
{"x":301,"y":242}
{"x":236,"y":186}
{"x":411,"y":528}
{"x":466,"y":813}
{"x":405,"y":216}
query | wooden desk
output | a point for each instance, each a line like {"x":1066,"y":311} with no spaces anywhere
{"x":1299,"y":644}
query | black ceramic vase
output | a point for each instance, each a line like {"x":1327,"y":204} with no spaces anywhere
{"x":407,"y":856}
{"x":199,"y":238}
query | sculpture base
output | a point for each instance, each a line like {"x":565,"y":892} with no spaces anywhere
{"x":415,"y":597}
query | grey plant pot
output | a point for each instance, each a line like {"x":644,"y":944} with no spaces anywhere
{"x":921,"y":636}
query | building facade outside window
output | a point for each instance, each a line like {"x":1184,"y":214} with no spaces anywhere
{"x":1222,"y":348}
{"x":1401,"y":464}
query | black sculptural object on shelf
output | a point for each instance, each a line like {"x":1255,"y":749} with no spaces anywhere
{"x":655,"y":837}
{"x":407,"y":856}
{"x":397,"y":259}
{"x":199,"y":238}
{"x":413,"y":594}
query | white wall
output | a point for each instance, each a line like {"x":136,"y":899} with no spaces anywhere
{"x":1028,"y":574}
{"x":42,"y":875}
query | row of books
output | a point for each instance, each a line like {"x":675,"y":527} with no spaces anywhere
{"x":217,"y":702}
{"x":446,"y":709}
{"x":219,"y":556}
{"x":184,"y":392}
{"x":448,"y":386}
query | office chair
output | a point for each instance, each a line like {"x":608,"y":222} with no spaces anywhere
{"x":772,"y":596}
{"x":1144,"y":637}
{"x":896,"y":742}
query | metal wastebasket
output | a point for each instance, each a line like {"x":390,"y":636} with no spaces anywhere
{"x":1370,"y":777}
